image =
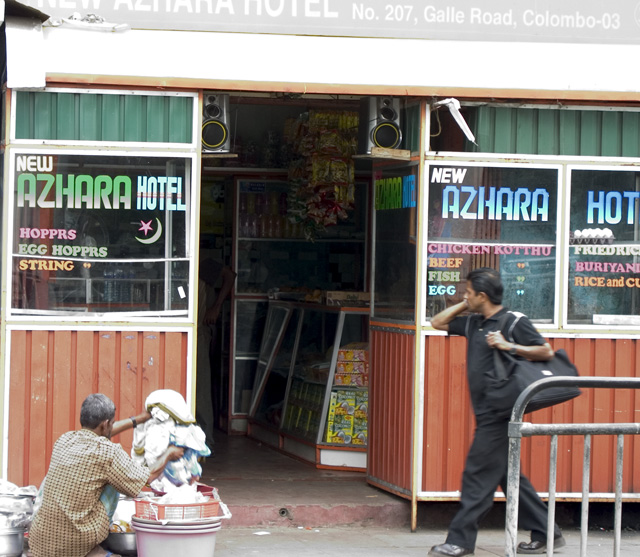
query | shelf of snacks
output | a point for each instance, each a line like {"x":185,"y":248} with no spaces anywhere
{"x":311,"y":414}
{"x":297,"y":234}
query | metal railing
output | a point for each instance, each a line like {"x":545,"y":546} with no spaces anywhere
{"x":519,"y":429}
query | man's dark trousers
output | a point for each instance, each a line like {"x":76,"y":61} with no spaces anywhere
{"x":485,"y":469}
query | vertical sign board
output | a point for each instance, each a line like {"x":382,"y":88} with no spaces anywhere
{"x":93,"y":233}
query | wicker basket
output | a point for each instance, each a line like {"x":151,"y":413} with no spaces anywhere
{"x":152,"y":510}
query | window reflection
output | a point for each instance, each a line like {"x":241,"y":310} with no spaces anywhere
{"x":395,"y":241}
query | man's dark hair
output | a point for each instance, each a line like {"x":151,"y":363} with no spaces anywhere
{"x":487,"y":280}
{"x":95,"y":409}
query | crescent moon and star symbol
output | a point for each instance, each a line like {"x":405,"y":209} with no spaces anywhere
{"x":146,"y":228}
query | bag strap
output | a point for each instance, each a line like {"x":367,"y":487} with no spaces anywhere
{"x":499,"y":356}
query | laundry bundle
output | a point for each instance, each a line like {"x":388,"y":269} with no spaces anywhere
{"x":171,"y":423}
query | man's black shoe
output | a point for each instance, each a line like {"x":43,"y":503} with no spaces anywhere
{"x":450,"y":550}
{"x":537,"y":547}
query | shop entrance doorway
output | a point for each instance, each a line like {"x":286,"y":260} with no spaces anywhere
{"x":284,"y":204}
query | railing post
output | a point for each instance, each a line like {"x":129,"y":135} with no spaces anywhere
{"x":617,"y":522}
{"x":586,"y":475}
{"x":551,"y":513}
{"x":513,"y":490}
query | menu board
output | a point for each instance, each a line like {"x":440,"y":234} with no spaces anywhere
{"x":493,"y":215}
{"x":604,"y":246}
{"x":99,"y":232}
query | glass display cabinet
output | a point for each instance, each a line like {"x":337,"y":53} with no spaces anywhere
{"x":274,"y":257}
{"x":301,"y":401}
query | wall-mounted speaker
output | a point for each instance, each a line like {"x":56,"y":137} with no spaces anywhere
{"x":379,"y":124}
{"x":215,"y":123}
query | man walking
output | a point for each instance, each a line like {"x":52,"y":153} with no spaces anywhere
{"x":487,"y":460}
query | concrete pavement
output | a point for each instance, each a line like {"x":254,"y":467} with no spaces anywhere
{"x":357,"y":541}
{"x":282,"y":507}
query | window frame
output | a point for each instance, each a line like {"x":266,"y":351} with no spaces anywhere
{"x":494,"y":162}
{"x":178,"y":316}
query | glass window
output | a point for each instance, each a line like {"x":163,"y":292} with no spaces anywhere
{"x":100,"y":233}
{"x":497,"y":216}
{"x":604,"y":247}
{"x":395,"y":244}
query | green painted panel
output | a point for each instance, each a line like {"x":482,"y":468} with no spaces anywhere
{"x":111,"y":118}
{"x":547,"y":132}
{"x":568,"y":132}
{"x":484,"y":130}
{"x":90,"y":108}
{"x":505,"y":122}
{"x":526,"y":127}
{"x":135,"y":118}
{"x":43,"y":106}
{"x":24,"y":116}
{"x":180,"y":122}
{"x":544,"y":131}
{"x":611,"y":134}
{"x":67,"y":111}
{"x":590,"y":123}
{"x":104,"y":117}
{"x":157,"y":120}
{"x":630,"y":134}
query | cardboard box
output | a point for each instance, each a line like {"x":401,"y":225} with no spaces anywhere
{"x":354,"y":352}
{"x":341,"y":429}
{"x":352,"y":367}
{"x":331,"y":413}
{"x":360,"y":436}
{"x":345,"y":402}
{"x":351,"y":379}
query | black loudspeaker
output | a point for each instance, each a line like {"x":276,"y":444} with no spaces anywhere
{"x":379,"y":124}
{"x":215,"y":126}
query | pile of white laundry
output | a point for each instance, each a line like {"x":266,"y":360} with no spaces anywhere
{"x":171,"y":424}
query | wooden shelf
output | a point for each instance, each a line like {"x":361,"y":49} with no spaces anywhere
{"x":219,"y":155}
{"x":381,"y":153}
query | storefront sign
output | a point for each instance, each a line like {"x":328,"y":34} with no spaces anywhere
{"x":603,"y":261}
{"x":502,"y":216}
{"x":516,"y":195}
{"x":611,"y":207}
{"x":579,"y":21}
{"x":398,"y":192}
{"x":97,"y":232}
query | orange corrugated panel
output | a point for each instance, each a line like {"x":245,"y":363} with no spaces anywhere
{"x":19,"y":425}
{"x":39,"y":418}
{"x":175,"y":357}
{"x":448,"y":424}
{"x":391,"y":395}
{"x":129,"y":380}
{"x":52,"y":372}
{"x":152,"y":363}
{"x":61,"y":379}
{"x":448,"y":421}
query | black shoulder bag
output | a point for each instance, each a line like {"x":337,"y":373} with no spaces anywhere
{"x":512,"y":374}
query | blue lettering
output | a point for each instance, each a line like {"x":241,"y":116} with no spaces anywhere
{"x":499,"y":203}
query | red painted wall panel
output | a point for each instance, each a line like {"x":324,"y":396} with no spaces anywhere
{"x":448,"y":423}
{"x":390,"y":407}
{"x":52,"y":372}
